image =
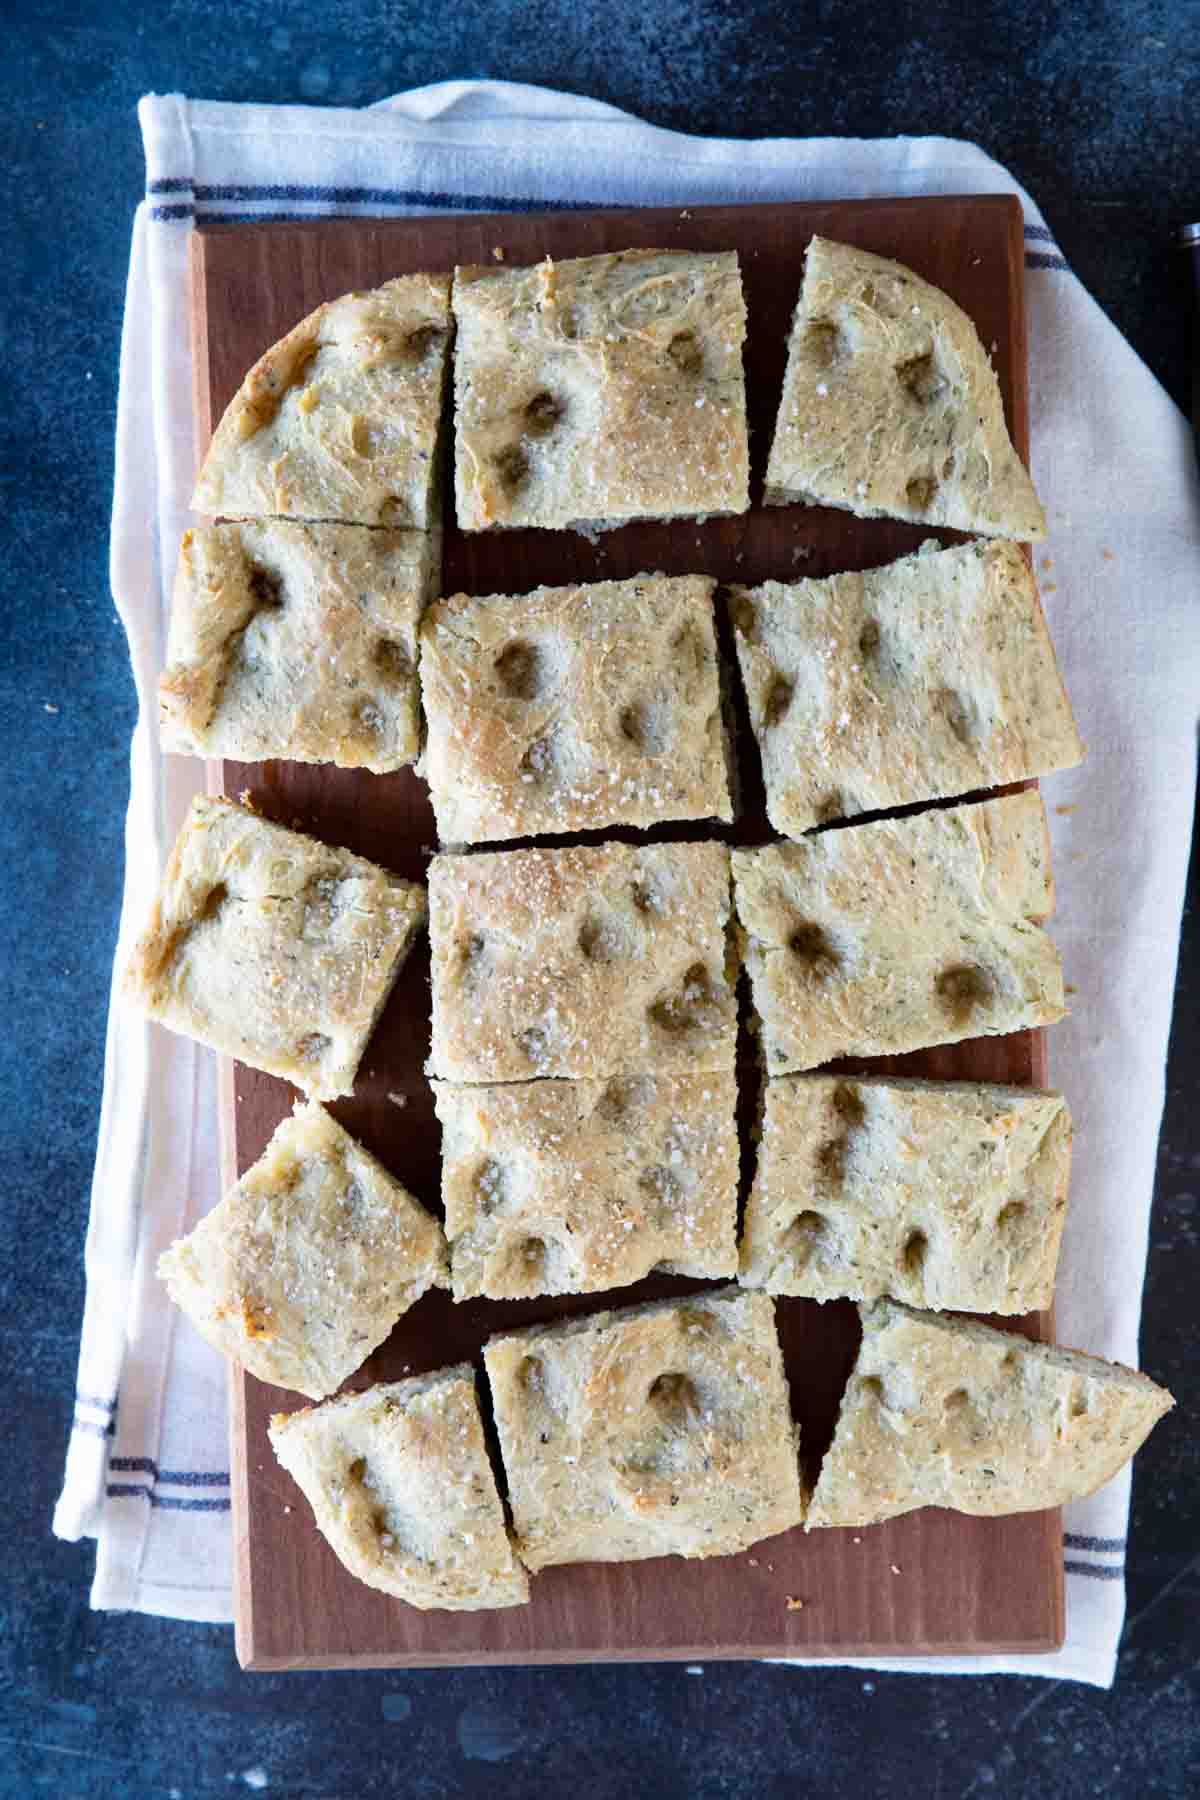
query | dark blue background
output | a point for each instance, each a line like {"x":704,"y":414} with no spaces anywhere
{"x":1093,"y":104}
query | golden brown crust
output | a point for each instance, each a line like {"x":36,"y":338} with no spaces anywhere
{"x":302,"y":1270}
{"x":339,"y":420}
{"x":584,"y":962}
{"x":941,"y":1194}
{"x":887,"y":937}
{"x":273,"y":947}
{"x":944,"y":1412}
{"x":663,"y":1430}
{"x":573,"y":708}
{"x":297,"y":641}
{"x":572,"y":1187}
{"x":890,"y":406}
{"x":931,"y":677}
{"x":599,"y":390}
{"x":402,"y":1489}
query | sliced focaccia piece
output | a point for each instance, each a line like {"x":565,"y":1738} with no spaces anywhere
{"x":273,"y":947}
{"x":887,"y":937}
{"x":940,"y":1193}
{"x":930,"y":677}
{"x":302,"y":1270}
{"x":570,"y":1187}
{"x":890,"y":406}
{"x":599,"y":390}
{"x":339,"y":420}
{"x":297,"y":641}
{"x":402,"y":1490}
{"x":663,"y":1430}
{"x":574,"y":708}
{"x":943,"y":1412}
{"x":584,"y":962}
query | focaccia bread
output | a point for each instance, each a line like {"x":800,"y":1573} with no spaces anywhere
{"x":599,"y":390}
{"x":943,"y":1412}
{"x":339,"y":420}
{"x":890,"y":406}
{"x":297,"y":641}
{"x":273,"y":947}
{"x":663,"y":1430}
{"x":303,"y":1268}
{"x":887,"y":937}
{"x":402,"y":1490}
{"x":931,"y":677}
{"x":940,"y":1193}
{"x":584,"y":962}
{"x":571,"y":1187}
{"x":574,"y":708}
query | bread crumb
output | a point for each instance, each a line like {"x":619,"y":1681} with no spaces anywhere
{"x":498,"y":252}
{"x":1069,"y":987}
{"x":1066,"y":811}
{"x":693,"y":1669}
{"x":1047,"y":562}
{"x":397,"y":1099}
{"x":48,"y":707}
{"x":856,"y":1540}
{"x":895,"y":1569}
{"x":1107,"y":554}
{"x":754,"y":1562}
{"x":1050,"y":587}
{"x":685,"y":214}
{"x":287,"y":1509}
{"x":794,"y":1603}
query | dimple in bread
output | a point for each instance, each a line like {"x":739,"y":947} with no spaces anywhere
{"x":944,"y":1412}
{"x":930,"y":677}
{"x":573,"y":708}
{"x":890,"y":407}
{"x":599,"y":390}
{"x":297,"y":641}
{"x":939,"y":1193}
{"x":402,"y":1489}
{"x":876,"y":939}
{"x":339,"y":420}
{"x":662,"y":1430}
{"x":304,"y":1267}
{"x":273,"y":947}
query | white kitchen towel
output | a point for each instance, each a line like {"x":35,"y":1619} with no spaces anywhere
{"x":147,"y":1467}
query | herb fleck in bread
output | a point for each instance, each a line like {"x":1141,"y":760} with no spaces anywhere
{"x":890,"y":407}
{"x":942,"y":1194}
{"x":886,"y":937}
{"x":943,"y":1412}
{"x":663,"y":1430}
{"x":402,"y":1489}
{"x":931,"y":677}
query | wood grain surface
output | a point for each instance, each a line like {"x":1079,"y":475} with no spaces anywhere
{"x":934,"y":1581}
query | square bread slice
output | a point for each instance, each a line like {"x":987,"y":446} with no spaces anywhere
{"x":944,"y":1412}
{"x":297,"y":641}
{"x":881,"y":938}
{"x":891,"y":407}
{"x":574,"y":708}
{"x":571,"y":1187}
{"x":663,"y":1430}
{"x":302,"y":1270}
{"x":584,"y":962}
{"x":931,"y":677}
{"x":940,"y":1193}
{"x":402,"y":1490}
{"x":272,"y":947}
{"x":339,"y":420}
{"x":604,"y":389}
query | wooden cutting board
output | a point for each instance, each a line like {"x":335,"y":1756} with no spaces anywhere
{"x":931,"y":1582}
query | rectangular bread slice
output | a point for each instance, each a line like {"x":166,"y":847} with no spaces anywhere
{"x":340,"y":419}
{"x":304,"y":1267}
{"x":599,"y":390}
{"x":939,"y":1193}
{"x":571,"y":1187}
{"x":891,"y":407}
{"x":584,"y":962}
{"x":573,"y":708}
{"x":402,"y":1490}
{"x":886,"y":937}
{"x":297,"y":641}
{"x":944,"y":1412}
{"x":272,"y":947}
{"x":931,"y":677}
{"x":663,"y":1430}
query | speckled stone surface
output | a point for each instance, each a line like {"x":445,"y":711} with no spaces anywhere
{"x":1095,"y":106}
